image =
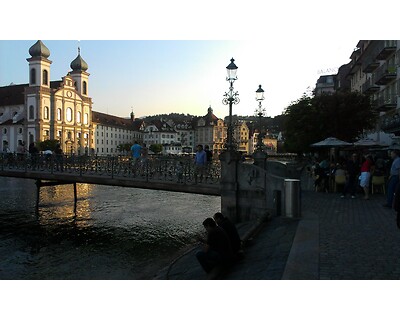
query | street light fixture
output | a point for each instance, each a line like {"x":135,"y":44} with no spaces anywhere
{"x":230,"y":99}
{"x":260,"y":111}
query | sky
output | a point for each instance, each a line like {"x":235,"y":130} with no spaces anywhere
{"x":184,"y":76}
{"x":145,"y":60}
{"x":171,"y":56}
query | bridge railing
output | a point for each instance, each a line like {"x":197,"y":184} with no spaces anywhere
{"x":157,"y":168}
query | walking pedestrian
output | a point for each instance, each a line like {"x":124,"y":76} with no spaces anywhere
{"x":200,"y":162}
{"x":365,"y":176}
{"x":352,"y":170}
{"x":393,"y":178}
{"x":136,"y":151}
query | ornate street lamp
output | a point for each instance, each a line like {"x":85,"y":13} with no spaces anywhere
{"x":260,"y":111}
{"x":230,"y":99}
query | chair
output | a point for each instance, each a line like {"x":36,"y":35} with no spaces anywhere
{"x":378,"y":181}
{"x":339,"y":180}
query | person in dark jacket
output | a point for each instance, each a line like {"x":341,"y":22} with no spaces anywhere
{"x":230,"y":230}
{"x":352,"y":171}
{"x":217,"y":250}
{"x":396,"y":204}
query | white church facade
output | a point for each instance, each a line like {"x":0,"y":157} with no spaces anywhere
{"x":48,"y":110}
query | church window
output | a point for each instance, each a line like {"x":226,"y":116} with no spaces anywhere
{"x":33,"y":76}
{"x":58,"y":114}
{"x":69,"y":114}
{"x":45,"y":77}
{"x":85,"y":118}
{"x":78,"y":117}
{"x":20,"y":130}
{"x":84,"y":87}
{"x":31,"y":112}
{"x":46,"y":113}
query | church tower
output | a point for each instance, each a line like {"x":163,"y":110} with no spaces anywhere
{"x":79,"y":74}
{"x":38,"y":94}
{"x":39,"y":65}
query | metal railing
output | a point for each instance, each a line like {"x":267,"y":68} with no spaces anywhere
{"x":173,"y":169}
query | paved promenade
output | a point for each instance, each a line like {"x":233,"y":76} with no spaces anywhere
{"x":334,"y":239}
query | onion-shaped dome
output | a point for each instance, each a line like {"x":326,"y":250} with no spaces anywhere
{"x":79,"y":64}
{"x":39,"y":50}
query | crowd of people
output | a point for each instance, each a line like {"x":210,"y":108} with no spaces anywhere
{"x":358,"y":170}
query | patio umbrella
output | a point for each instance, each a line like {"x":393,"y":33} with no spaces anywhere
{"x":331,"y":142}
{"x":368,"y":142}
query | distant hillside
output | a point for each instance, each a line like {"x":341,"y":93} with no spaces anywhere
{"x":175,"y":117}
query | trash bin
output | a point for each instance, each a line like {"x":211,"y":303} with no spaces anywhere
{"x":292,"y":198}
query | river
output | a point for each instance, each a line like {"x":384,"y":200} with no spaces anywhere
{"x":115,"y":233}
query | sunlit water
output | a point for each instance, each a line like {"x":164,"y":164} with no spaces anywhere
{"x":116,"y":233}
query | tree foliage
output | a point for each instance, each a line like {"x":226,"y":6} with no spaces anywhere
{"x":343,"y":115}
{"x":48,"y":145}
{"x":156,"y":148}
{"x":124,"y":147}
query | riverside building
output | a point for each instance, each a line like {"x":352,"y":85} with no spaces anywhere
{"x":46,"y":110}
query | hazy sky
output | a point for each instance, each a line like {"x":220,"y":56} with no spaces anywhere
{"x":184,"y":76}
{"x":284,"y":47}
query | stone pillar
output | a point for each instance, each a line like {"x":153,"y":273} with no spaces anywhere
{"x":229,"y":185}
{"x":260,"y":159}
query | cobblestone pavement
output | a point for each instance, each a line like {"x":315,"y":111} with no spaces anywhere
{"x":334,"y":239}
{"x":358,"y":239}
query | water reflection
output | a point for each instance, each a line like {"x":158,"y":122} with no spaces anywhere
{"x":115,"y":232}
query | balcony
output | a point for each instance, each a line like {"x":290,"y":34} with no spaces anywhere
{"x":386,"y":48}
{"x":369,"y":65}
{"x":385,"y":74}
{"x":386,"y":102}
{"x":391,"y":124}
{"x":369,"y":86}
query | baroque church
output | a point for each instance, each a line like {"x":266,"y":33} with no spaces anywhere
{"x":48,"y":110}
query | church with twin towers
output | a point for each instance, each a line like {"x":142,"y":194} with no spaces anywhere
{"x":57,"y":110}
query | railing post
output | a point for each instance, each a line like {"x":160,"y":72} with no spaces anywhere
{"x":112,"y":167}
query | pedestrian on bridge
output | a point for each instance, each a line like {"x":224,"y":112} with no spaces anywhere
{"x":34,"y":155}
{"x":59,"y":158}
{"x":200,"y":163}
{"x":136,"y":152}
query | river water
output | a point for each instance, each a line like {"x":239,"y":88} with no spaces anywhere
{"x":116,"y":232}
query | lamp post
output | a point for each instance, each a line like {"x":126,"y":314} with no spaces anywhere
{"x":260,"y":111}
{"x":231,"y":98}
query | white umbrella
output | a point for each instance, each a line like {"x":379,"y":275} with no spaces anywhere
{"x":331,"y":142}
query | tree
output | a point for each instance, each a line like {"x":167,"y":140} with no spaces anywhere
{"x":124,"y":147}
{"x":156,"y":148}
{"x":48,"y":145}
{"x":343,"y":115}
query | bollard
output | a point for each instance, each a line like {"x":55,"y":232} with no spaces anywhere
{"x":292,"y":198}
